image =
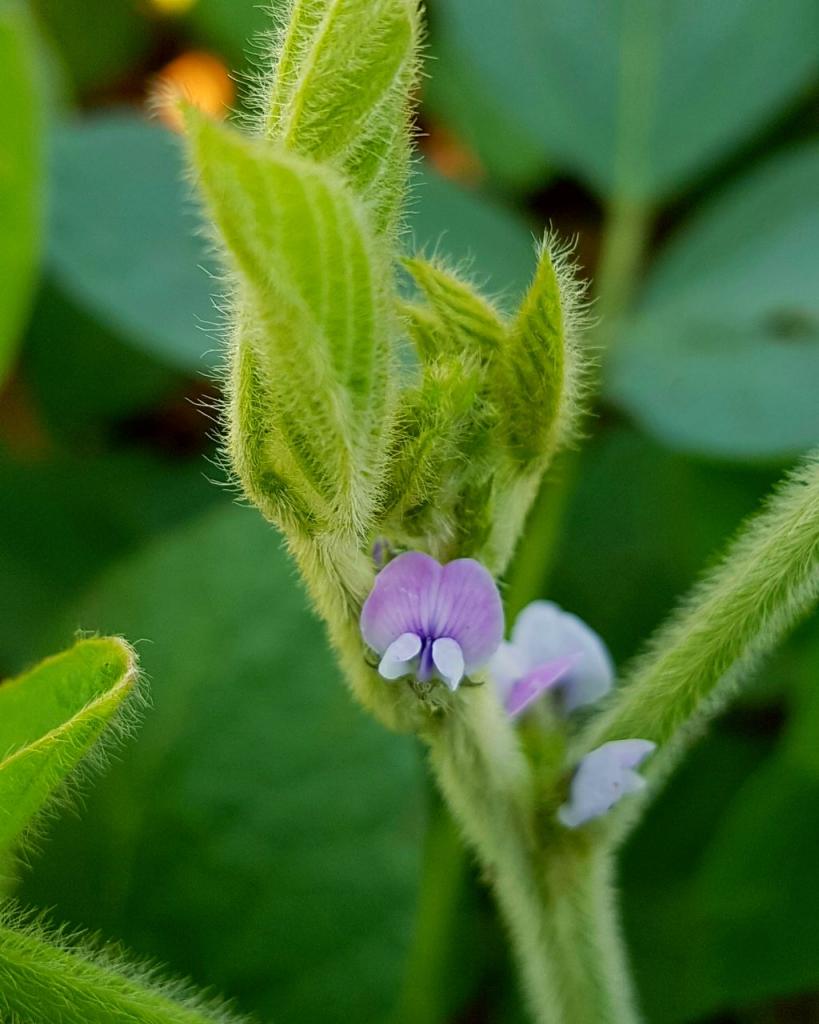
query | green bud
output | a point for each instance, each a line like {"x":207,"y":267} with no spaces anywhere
{"x":310,"y":356}
{"x":539,"y":371}
{"x":339,"y":93}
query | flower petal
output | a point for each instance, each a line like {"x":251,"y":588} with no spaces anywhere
{"x":507,"y":666}
{"x":544,"y":632}
{"x":398,"y":657}
{"x":527,"y":689}
{"x":402,"y":600}
{"x":448,"y":659}
{"x":470,"y":611}
{"x":602,"y":778}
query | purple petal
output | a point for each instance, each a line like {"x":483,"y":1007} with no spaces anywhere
{"x":399,"y":656}
{"x":602,"y":778}
{"x":469,"y":610}
{"x":527,"y":690}
{"x":543,"y":631}
{"x":449,"y":661}
{"x":401,"y":601}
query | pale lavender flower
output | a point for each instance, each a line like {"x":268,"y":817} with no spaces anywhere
{"x":431,"y":620}
{"x":551,"y":648}
{"x":602,"y":778}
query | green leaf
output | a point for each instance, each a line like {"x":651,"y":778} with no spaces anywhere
{"x":74,"y":984}
{"x":50,"y":719}
{"x":99,"y":41}
{"x":637,"y":97}
{"x":723,"y":353}
{"x":68,"y":520}
{"x":339,"y":92}
{"x":465,"y":103}
{"x":235,"y":28}
{"x":539,"y":368}
{"x":21,"y":175}
{"x":473,"y":232}
{"x":262,"y":834}
{"x":136,"y":265}
{"x":465,"y":323}
{"x":82,"y":375}
{"x":316,"y":322}
{"x":726,"y":855}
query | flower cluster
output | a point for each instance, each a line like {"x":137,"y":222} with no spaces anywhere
{"x":432,"y":622}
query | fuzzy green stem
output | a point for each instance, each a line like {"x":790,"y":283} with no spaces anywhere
{"x":553,"y":890}
{"x":41,"y":981}
{"x":736,"y":615}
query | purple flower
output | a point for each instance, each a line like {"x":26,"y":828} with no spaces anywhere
{"x":551,"y":648}
{"x":602,"y":778}
{"x":432,"y":620}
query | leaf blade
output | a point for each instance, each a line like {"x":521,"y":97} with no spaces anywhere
{"x":40,"y":746}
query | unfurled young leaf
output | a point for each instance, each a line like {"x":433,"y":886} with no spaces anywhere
{"x":343,"y":71}
{"x":50,"y":979}
{"x":311,"y":359}
{"x":539,"y":370}
{"x":51,"y":718}
{"x":465,"y":323}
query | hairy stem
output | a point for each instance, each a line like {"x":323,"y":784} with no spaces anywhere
{"x":736,"y":615}
{"x":555,"y":894}
{"x":40,"y":981}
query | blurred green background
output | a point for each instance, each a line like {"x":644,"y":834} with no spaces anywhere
{"x":259,"y":834}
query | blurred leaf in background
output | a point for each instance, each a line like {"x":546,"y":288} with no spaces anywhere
{"x":722,"y":355}
{"x":262,"y":835}
{"x":21,"y":174}
{"x":634,"y":96}
{"x":123,"y":240}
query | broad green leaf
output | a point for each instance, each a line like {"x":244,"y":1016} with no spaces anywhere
{"x":67,"y":518}
{"x":235,"y":28}
{"x":21,"y":174}
{"x":636,"y":96}
{"x":339,"y":92}
{"x":316,"y":319}
{"x":99,"y":41}
{"x":42,"y":979}
{"x":139,"y":265}
{"x":491,"y":242}
{"x":83,"y":375}
{"x":727,"y":855}
{"x":50,"y":719}
{"x":261,"y":834}
{"x":467,"y":105}
{"x":723,"y":353}
{"x":640,"y":524}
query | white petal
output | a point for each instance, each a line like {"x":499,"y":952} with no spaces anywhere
{"x":398,"y":657}
{"x":543,"y":632}
{"x":448,"y":659}
{"x":602,"y":778}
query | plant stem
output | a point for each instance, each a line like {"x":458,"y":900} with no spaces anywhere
{"x":627,"y":228}
{"x":555,"y":894}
